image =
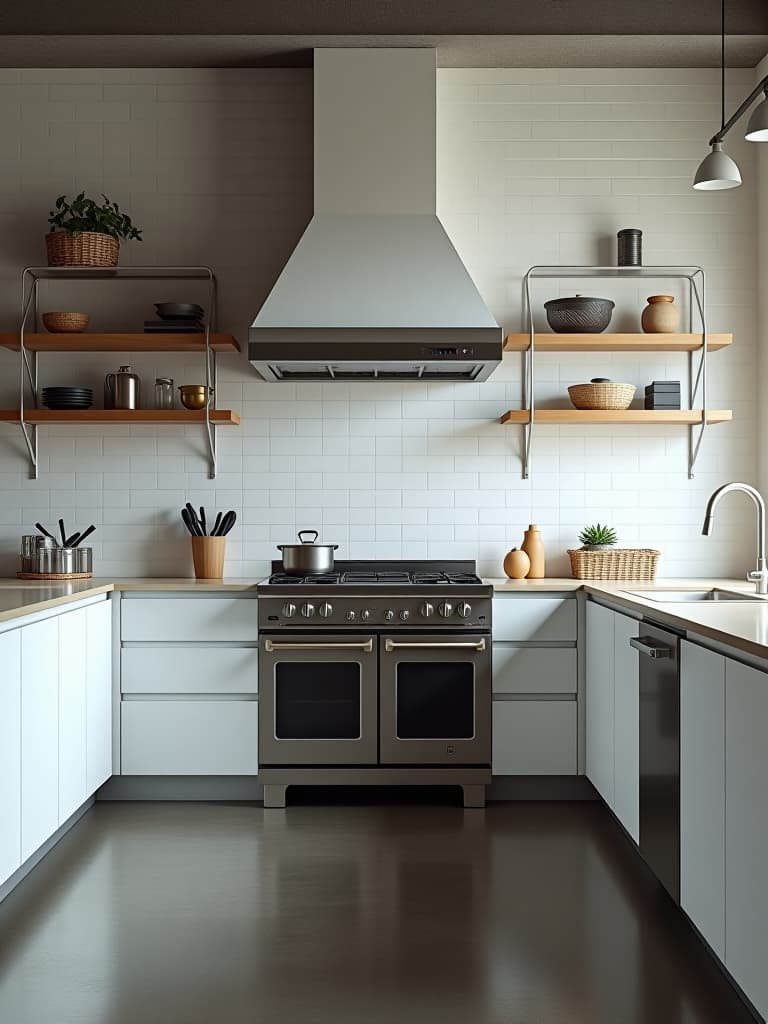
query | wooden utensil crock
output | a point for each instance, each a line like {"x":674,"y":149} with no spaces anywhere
{"x":208,"y":557}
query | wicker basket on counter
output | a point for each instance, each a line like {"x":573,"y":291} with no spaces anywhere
{"x":617,"y":564}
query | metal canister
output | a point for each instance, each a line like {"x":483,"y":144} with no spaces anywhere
{"x":121,"y":389}
{"x":83,"y":559}
{"x":630,"y":248}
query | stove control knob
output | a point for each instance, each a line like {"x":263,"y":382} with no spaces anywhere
{"x":446,"y":609}
{"x":325,"y":610}
{"x":405,"y":615}
{"x":463,"y":610}
{"x":288,"y":610}
{"x":307,"y":610}
{"x":389,"y":615}
{"x":351,"y":616}
{"x":427,"y":610}
{"x":365,"y":614}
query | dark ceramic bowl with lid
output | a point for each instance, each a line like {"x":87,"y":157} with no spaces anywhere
{"x":579,"y":314}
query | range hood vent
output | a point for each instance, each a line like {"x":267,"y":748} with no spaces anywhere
{"x":374,"y":289}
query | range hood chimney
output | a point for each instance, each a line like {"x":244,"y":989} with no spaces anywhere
{"x":374,"y":289}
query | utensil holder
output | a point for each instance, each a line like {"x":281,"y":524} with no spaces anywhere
{"x":208,"y":557}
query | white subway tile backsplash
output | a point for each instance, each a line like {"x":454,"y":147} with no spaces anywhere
{"x":389,"y":470}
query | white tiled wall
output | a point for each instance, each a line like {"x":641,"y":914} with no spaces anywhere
{"x":534,"y":166}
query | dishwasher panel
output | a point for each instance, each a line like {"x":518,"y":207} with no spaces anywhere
{"x":660,"y":754}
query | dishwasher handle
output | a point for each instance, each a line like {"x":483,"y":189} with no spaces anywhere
{"x":648,"y":646}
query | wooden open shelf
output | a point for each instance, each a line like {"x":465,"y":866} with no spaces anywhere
{"x":636,"y":416}
{"x":138,"y":342}
{"x":616,"y":342}
{"x":221,"y":417}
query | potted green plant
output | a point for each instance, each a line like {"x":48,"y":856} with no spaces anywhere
{"x":598,"y":538}
{"x":86,"y":233}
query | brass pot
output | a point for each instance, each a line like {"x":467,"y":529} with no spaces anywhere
{"x":195,"y":396}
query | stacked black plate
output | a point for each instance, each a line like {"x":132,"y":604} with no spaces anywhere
{"x":176,"y":317}
{"x":67,"y":398}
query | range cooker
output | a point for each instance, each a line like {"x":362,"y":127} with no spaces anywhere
{"x":377,"y":673}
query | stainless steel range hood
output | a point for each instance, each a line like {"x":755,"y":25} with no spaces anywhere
{"x":375,"y":290}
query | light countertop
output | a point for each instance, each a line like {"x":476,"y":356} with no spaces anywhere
{"x":743,"y":626}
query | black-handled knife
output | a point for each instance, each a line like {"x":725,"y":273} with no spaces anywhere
{"x":63,"y":533}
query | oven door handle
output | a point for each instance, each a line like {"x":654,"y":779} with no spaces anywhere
{"x":467,"y":645}
{"x":365,"y":646}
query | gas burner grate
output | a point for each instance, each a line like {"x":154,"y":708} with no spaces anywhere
{"x":375,"y":577}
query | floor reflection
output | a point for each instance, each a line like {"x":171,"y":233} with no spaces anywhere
{"x":222,"y":914}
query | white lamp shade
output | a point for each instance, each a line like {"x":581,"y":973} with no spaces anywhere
{"x":717,"y":171}
{"x":757,"y":127}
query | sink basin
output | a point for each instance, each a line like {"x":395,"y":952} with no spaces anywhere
{"x":688,"y":596}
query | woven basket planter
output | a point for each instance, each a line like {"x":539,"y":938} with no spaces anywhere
{"x":602,"y":396}
{"x":81,"y":249}
{"x":617,"y":564}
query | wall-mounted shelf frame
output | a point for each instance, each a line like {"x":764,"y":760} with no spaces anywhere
{"x":29,"y":343}
{"x":698,"y":417}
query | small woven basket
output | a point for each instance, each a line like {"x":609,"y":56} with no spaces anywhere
{"x":618,"y":564}
{"x":81,"y":249}
{"x":606,"y":395}
{"x":65,"y":323}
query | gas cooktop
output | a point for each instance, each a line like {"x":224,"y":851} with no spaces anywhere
{"x":362,"y":577}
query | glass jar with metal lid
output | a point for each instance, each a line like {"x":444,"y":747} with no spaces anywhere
{"x":163,"y":393}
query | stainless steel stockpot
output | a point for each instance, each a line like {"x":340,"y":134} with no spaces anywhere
{"x":308,"y":557}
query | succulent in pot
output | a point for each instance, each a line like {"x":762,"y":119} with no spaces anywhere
{"x":86,"y":233}
{"x":598,"y":538}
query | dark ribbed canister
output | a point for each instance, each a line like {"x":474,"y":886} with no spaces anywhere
{"x":630,"y":247}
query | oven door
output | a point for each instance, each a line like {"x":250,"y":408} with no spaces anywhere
{"x":317,"y":700}
{"x":435,"y":699}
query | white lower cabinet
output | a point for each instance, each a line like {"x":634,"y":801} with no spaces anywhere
{"x":39,"y":734}
{"x":613,"y":713}
{"x":531,"y":670}
{"x":98,"y":712}
{"x":599,"y":696}
{"x":189,"y":737}
{"x":10,"y":753}
{"x":73,"y":662}
{"x":626,"y":726}
{"x":534,"y":737}
{"x":702,"y":791}
{"x":746,"y":830}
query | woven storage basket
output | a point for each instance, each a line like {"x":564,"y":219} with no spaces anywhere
{"x":602,"y":396}
{"x":618,"y":564}
{"x":65,"y":323}
{"x":82,"y":249}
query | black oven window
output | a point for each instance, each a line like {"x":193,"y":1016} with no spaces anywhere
{"x":317,"y":701}
{"x":435,"y":701}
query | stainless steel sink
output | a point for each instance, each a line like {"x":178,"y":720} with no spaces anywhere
{"x":690,"y":596}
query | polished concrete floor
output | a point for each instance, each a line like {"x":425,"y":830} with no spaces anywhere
{"x":229,"y":914}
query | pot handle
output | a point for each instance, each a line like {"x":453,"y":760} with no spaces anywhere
{"x":301,"y":533}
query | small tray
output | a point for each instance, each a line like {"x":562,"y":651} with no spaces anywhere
{"x":54,"y":576}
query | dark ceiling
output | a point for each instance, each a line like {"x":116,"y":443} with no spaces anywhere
{"x":383,"y":17}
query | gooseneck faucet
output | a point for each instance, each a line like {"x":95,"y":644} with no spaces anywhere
{"x":760,"y":575}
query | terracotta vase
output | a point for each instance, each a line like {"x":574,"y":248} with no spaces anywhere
{"x":533,"y":546}
{"x":661,"y":315}
{"x":516,"y":564}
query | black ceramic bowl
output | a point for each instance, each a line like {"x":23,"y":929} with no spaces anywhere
{"x":579,"y":314}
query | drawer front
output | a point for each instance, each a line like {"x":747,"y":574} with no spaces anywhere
{"x":534,"y":669}
{"x":190,"y":619}
{"x":189,"y":669}
{"x":534,"y":619}
{"x":534,"y":737}
{"x":169,"y":737}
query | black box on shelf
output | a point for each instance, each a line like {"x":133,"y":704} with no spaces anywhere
{"x":668,"y":401}
{"x":663,"y":387}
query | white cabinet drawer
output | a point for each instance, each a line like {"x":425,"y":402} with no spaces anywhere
{"x":534,"y":619}
{"x":180,"y":619}
{"x":534,"y":737}
{"x":189,"y":669}
{"x":534,"y":669}
{"x":177,"y":737}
